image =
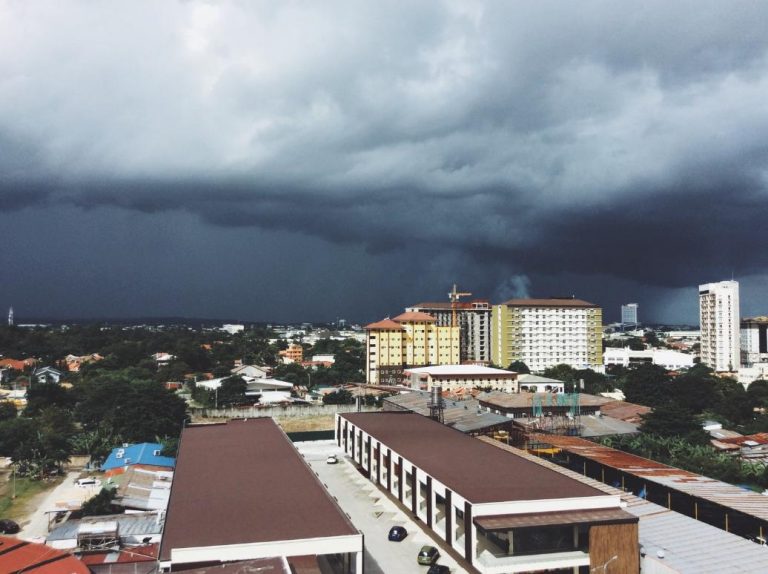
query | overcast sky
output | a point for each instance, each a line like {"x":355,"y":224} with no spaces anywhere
{"x":285,"y":161}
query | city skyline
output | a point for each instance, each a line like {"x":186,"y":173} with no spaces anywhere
{"x":309,"y":162}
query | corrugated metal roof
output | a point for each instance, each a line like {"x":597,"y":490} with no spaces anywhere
{"x":461,"y":415}
{"x":128,"y":525}
{"x":696,"y":485}
{"x":688,"y":545}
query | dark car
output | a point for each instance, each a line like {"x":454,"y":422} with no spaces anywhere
{"x":428,"y":555}
{"x":439,"y":569}
{"x":397,"y":533}
{"x":8,"y":527}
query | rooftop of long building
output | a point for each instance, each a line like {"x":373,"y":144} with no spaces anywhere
{"x":476,"y":471}
{"x":244,"y":482}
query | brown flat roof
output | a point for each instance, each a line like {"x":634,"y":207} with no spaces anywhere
{"x":475,"y":470}
{"x":244,"y":482}
{"x":548,"y":400}
{"x":549,"y":303}
{"x":539,"y":519}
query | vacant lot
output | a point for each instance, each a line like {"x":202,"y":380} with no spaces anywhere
{"x":27,"y":495}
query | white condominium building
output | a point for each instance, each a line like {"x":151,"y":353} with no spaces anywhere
{"x":719,"y":317}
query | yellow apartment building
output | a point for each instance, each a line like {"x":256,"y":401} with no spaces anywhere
{"x":412,"y":339}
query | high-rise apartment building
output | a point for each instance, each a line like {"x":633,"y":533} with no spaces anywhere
{"x":547,"y":332}
{"x":412,"y":339}
{"x":719,"y":317}
{"x":754,"y":341}
{"x":629,"y":314}
{"x":474,"y":321}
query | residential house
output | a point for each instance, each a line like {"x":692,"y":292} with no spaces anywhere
{"x":144,"y":455}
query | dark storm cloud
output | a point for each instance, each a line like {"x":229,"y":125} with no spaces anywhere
{"x":540,"y":138}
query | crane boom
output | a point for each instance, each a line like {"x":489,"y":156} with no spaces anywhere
{"x":454,"y":297}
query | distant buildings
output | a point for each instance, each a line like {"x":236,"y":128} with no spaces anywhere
{"x":626,"y":357}
{"x":293,"y":354}
{"x":474,"y":321}
{"x":719,"y":317}
{"x":543,"y":333}
{"x":754,"y":341}
{"x":233,"y":329}
{"x":412,"y":339}
{"x":629,"y":314}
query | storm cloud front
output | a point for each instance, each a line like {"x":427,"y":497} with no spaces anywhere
{"x":287,"y":161}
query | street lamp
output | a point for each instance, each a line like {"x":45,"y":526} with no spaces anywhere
{"x":216,"y":398}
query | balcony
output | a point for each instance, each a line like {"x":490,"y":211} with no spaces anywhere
{"x":488,"y":563}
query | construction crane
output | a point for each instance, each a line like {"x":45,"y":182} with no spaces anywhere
{"x":454,"y":296}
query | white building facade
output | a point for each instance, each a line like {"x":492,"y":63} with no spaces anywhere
{"x":629,"y":314}
{"x":719,"y":318}
{"x":670,"y":360}
{"x":754,"y":341}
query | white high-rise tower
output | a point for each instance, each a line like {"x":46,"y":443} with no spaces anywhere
{"x":719,"y":317}
{"x":10,"y":317}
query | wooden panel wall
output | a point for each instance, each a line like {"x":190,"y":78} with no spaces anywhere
{"x":611,"y":540}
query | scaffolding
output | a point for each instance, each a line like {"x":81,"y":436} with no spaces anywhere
{"x":557,"y":413}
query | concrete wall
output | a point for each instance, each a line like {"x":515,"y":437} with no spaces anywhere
{"x":279,"y":412}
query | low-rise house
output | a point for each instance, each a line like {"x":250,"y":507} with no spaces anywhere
{"x":163,"y":359}
{"x":47,"y":375}
{"x":142,"y":489}
{"x":74,"y":362}
{"x":522,"y":405}
{"x":18,"y":364}
{"x":19,"y":556}
{"x":144,"y":455}
{"x":751,"y":448}
{"x":539,"y":384}
{"x":251,"y":372}
{"x":453,"y":377}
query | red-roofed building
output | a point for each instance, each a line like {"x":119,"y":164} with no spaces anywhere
{"x":17,"y":556}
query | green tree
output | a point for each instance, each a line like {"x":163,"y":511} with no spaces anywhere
{"x":232,"y":392}
{"x":101,"y":504}
{"x":7,"y":411}
{"x":42,"y":396}
{"x":519,"y":367}
{"x":340,"y":397}
{"x":671,"y":420}
{"x":647,"y":384}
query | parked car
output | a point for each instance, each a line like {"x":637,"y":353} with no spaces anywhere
{"x":439,"y":569}
{"x":428,"y":555}
{"x":397,"y":533}
{"x":331,"y":459}
{"x":8,"y":527}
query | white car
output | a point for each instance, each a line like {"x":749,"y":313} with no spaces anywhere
{"x":332,"y":459}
